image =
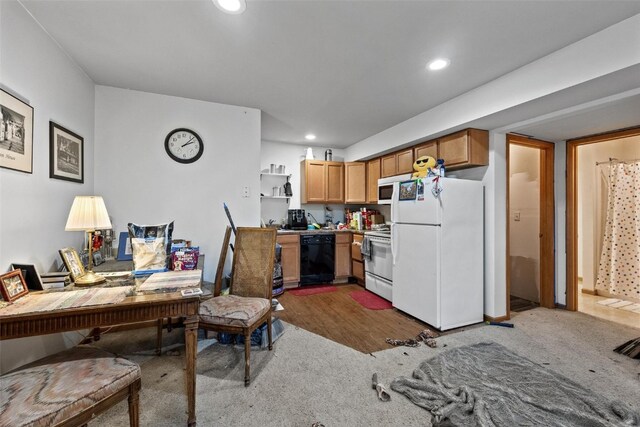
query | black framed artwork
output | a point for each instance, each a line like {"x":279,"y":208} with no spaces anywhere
{"x":16,"y":133}
{"x":66,"y":154}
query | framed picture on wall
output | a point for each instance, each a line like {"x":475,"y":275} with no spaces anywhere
{"x":66,"y":154}
{"x":16,"y":133}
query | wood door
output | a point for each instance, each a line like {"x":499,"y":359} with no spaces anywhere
{"x":388,"y":165}
{"x":355,"y":247}
{"x":573,"y":204}
{"x":404,"y":161}
{"x":373,"y":174}
{"x":355,"y":176}
{"x":290,"y":258}
{"x":427,"y":149}
{"x":334,"y":182}
{"x":545,"y":256}
{"x":454,"y":149}
{"x":358,"y":270}
{"x":315,"y":182}
{"x":343,"y":255}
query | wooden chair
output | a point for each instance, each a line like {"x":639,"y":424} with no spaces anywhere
{"x":69,"y":389}
{"x":248,"y":304}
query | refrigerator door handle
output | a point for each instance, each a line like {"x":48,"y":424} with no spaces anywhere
{"x":393,"y":242}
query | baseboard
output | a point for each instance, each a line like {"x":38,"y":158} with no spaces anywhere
{"x":496,"y":319}
{"x":589,"y":291}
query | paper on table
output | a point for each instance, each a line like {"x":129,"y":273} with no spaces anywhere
{"x":172,"y":279}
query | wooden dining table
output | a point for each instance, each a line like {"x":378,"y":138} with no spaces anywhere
{"x":133,"y":309}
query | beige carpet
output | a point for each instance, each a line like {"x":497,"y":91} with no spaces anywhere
{"x":308,"y":378}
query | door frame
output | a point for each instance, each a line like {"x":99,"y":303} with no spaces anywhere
{"x":572,"y":205}
{"x":547,"y":219}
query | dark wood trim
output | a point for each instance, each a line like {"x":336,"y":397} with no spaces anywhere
{"x":497,"y":319}
{"x":572,"y":205}
{"x":547,"y":219}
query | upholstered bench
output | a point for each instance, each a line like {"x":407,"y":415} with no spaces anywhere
{"x":68,"y":389}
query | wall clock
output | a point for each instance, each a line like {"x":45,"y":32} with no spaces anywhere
{"x":183,"y":145}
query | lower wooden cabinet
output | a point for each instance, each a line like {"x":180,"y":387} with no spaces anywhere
{"x":357,"y":262}
{"x":343,"y":256}
{"x":290,"y":259}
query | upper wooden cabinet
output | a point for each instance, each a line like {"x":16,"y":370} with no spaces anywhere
{"x":465,"y":149}
{"x":355,"y":178}
{"x":321,"y":182}
{"x":429,"y":148}
{"x":397,"y":163}
{"x":373,"y":175}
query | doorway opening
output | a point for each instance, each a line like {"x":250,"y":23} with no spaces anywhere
{"x":602,"y":261}
{"x":530,"y":224}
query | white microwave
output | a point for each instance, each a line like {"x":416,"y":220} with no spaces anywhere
{"x":386,"y":186}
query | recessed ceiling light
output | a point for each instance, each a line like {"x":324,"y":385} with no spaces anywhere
{"x":310,"y":137}
{"x":438,"y":64}
{"x":233,"y":7}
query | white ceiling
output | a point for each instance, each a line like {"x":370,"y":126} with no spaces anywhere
{"x":344,"y":70}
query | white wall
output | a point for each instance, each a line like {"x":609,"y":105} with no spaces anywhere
{"x":33,"y":207}
{"x":290,"y":156}
{"x":524,"y":222}
{"x":588,"y":155}
{"x":141,"y":184}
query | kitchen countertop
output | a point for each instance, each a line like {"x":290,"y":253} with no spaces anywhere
{"x":321,"y":231}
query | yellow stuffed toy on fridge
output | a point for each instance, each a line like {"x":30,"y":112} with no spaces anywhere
{"x":422,"y":165}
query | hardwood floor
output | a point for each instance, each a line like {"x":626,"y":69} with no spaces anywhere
{"x":336,"y":316}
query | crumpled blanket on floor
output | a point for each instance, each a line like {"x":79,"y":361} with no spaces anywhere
{"x":487,"y":385}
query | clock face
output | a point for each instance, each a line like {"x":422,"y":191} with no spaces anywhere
{"x":183,"y":145}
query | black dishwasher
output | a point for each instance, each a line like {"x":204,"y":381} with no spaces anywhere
{"x":317,"y":258}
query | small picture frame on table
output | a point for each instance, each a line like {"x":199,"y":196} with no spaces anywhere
{"x":13,"y":286}
{"x":66,"y":154}
{"x":30,"y":276}
{"x":72,"y":261}
{"x":125,"y":252}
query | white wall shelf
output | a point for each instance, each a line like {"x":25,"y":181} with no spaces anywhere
{"x":288,"y":175}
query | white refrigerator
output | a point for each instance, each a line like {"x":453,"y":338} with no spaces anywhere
{"x":437,"y":250}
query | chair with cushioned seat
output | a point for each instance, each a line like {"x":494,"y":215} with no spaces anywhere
{"x":68,"y":389}
{"x":248,"y":304}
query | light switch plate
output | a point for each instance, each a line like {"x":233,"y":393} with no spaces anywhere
{"x":516,"y":216}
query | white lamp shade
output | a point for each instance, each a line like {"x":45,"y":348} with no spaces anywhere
{"x":88,"y":213}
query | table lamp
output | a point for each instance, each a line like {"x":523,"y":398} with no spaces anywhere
{"x":88,"y":213}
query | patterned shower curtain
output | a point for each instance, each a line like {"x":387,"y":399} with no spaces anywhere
{"x":619,"y":268}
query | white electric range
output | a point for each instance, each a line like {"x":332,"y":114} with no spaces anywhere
{"x":379,"y":267}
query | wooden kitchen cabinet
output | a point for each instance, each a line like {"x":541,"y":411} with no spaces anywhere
{"x":397,"y":163}
{"x":343,"y":256}
{"x":355,"y":178}
{"x":373,"y":175}
{"x":357,"y":262}
{"x":429,"y":148}
{"x":321,"y":182}
{"x":464,"y":149}
{"x":290,"y":259}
